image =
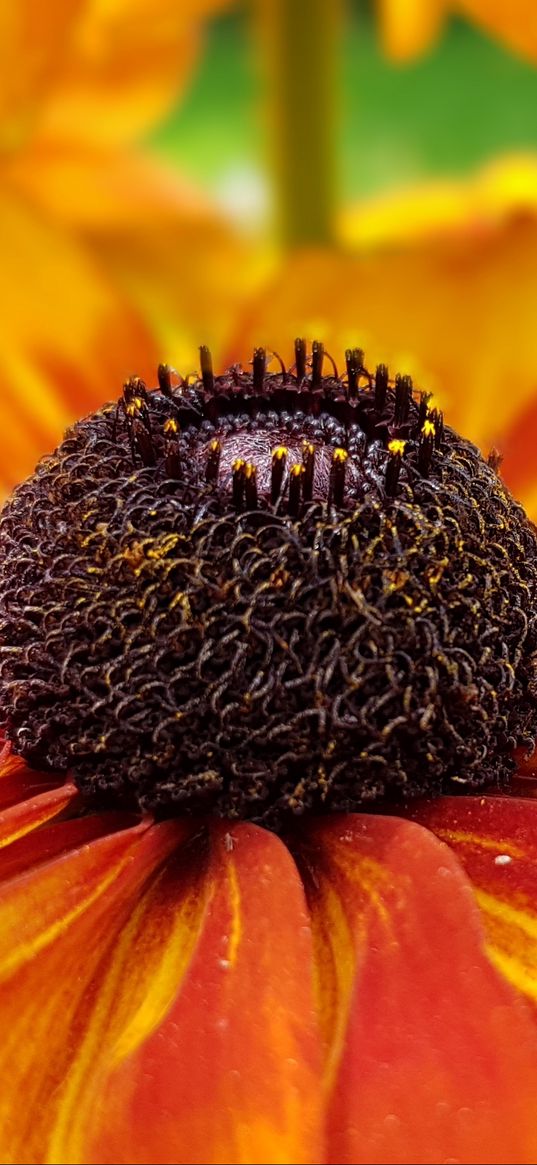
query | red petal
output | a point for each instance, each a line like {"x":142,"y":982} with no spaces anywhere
{"x":495,"y":839}
{"x":39,"y":823}
{"x":20,"y":819}
{"x":430,"y":1055}
{"x":218,"y":1058}
{"x":59,"y":925}
{"x":18,"y":782}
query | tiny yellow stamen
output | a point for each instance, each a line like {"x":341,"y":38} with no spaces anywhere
{"x":396,"y":447}
{"x":171,"y":426}
{"x":280,"y":453}
{"x":428,"y":429}
{"x":340,"y":456}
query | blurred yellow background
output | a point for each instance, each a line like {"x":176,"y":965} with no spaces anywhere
{"x":186,"y":172}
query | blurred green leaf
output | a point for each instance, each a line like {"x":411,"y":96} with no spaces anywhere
{"x":458,"y":107}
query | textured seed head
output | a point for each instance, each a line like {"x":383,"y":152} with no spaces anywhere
{"x":268,"y":592}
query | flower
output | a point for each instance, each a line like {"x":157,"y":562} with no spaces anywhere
{"x":90,"y":223}
{"x":197,"y":990}
{"x":409,"y":27}
{"x":360,"y":988}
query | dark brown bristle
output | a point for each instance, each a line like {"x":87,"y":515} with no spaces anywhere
{"x":403,"y":397}
{"x":238,"y":481}
{"x":317,"y":360}
{"x":164,"y":374}
{"x":426,"y":447}
{"x":206,"y":365}
{"x":172,"y":460}
{"x":353,"y":361}
{"x":296,"y":476}
{"x":351,"y":371}
{"x":381,"y":387}
{"x":393,"y":466}
{"x":337,"y":476}
{"x":279,"y":459}
{"x":142,"y":442}
{"x":213,"y":461}
{"x":259,"y":368}
{"x":423,"y":410}
{"x":308,"y":460}
{"x":135,"y":387}
{"x":300,"y":359}
{"x":250,"y":486}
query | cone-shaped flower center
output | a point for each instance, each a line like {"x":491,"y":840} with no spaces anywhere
{"x":266,"y":592}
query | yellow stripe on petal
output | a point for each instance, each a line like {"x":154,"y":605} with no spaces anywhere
{"x":59,"y":928}
{"x":22,"y":819}
{"x":203,"y":1043}
{"x":438,"y":1060}
{"x":495,"y":838}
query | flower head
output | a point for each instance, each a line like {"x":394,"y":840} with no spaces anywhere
{"x":264,"y":592}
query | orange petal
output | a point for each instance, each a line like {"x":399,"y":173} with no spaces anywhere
{"x":34,"y":813}
{"x":122,"y":67}
{"x":39,"y":818}
{"x":518,"y":447}
{"x":430,"y":1056}
{"x":33,"y":39}
{"x":409,"y":27}
{"x":165,"y":250}
{"x":495,"y":839}
{"x":59,"y":926}
{"x":70,"y":335}
{"x":219,"y":1062}
{"x":18,"y":782}
{"x":39,"y":845}
{"x":92,"y":188}
{"x":515,"y":23}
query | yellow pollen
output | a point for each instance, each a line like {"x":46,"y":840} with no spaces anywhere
{"x":428,"y":429}
{"x":238,"y":464}
{"x":296,"y":470}
{"x":250,"y":469}
{"x":171,"y":426}
{"x":280,"y":452}
{"x":308,"y":449}
{"x":340,"y":455}
{"x":396,"y":447}
{"x":214,"y":445}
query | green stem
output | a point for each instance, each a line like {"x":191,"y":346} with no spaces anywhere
{"x":301,"y":36}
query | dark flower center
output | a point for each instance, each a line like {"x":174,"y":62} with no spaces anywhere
{"x":268,"y":592}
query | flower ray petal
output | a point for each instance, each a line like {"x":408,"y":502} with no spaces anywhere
{"x":223,"y":1064}
{"x":58,"y":924}
{"x":495,"y":839}
{"x":434,"y":1056}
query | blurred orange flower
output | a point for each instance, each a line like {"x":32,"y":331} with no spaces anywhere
{"x":96,"y":238}
{"x":199,"y":991}
{"x":409,"y":27}
{"x":441,"y":281}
